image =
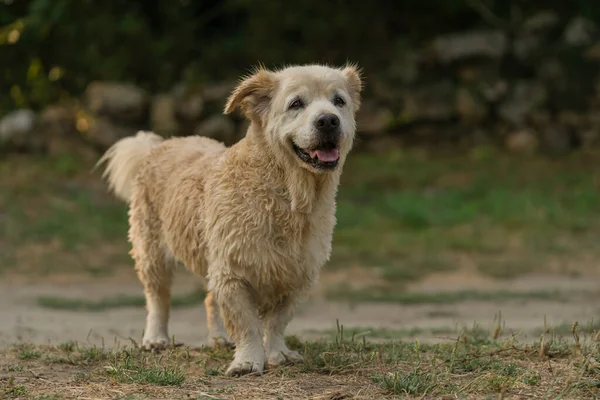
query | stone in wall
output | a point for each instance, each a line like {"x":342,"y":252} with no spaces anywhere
{"x":490,"y":44}
{"x":162,"y":115}
{"x":218,"y":127}
{"x":119,"y":101}
{"x":558,"y":139}
{"x":18,"y":129}
{"x":531,"y":38}
{"x":524,"y":98}
{"x":374,"y":119}
{"x":541,"y":22}
{"x":58,"y":126}
{"x":522,"y":142}
{"x":188,"y":102}
{"x":218,"y":92}
{"x":580,"y":31}
{"x":471,"y":106}
{"x":434,"y":102}
{"x":102,"y":132}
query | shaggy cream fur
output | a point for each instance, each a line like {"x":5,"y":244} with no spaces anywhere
{"x":255,"y":220}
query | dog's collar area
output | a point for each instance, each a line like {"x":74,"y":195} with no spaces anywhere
{"x":314,"y":161}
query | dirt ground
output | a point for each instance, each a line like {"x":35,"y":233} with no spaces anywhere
{"x":23,"y":320}
{"x":488,"y":259}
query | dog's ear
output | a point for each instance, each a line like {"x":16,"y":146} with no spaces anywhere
{"x":353,"y":75}
{"x":253,"y":95}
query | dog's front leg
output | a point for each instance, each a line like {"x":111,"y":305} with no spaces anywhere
{"x":276,"y":350}
{"x":240,"y":315}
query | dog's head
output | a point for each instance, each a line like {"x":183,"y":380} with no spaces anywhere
{"x":306,"y":112}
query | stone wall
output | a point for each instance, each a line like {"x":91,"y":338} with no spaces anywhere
{"x":533,"y":87}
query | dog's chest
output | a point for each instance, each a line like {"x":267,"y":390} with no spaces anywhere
{"x":257,"y":231}
{"x":291,"y":245}
{"x":294,"y":247}
{"x":304,"y":233}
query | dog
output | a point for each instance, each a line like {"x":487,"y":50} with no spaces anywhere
{"x":254,"y":220}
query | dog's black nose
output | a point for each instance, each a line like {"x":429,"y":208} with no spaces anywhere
{"x":327,"y":123}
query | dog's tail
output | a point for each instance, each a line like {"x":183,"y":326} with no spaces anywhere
{"x":123,"y":160}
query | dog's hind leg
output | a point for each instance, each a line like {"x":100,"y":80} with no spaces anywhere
{"x":157,"y":278}
{"x":217,"y":335}
{"x":154,"y":265}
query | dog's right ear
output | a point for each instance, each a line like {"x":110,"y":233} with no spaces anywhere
{"x":253,"y":95}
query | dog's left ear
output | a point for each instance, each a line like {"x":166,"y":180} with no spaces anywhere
{"x":353,"y":75}
{"x":253,"y":95}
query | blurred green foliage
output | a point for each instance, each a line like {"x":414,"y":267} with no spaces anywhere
{"x":51,"y":48}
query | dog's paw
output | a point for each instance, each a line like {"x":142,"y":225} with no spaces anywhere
{"x":155,"y":346}
{"x":221,"y":342}
{"x":245,"y":367}
{"x":158,"y":343}
{"x":284,"y":357}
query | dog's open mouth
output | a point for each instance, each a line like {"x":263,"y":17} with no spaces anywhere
{"x":320,"y":158}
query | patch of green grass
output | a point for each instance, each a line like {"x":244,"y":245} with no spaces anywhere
{"x":73,"y":353}
{"x":14,"y":368}
{"x":415,"y":267}
{"x":411,"y":383}
{"x":357,"y":333}
{"x":385,"y":295}
{"x":100,"y":223}
{"x":134,"y":371}
{"x":591,"y":327}
{"x":72,"y":214}
{"x":396,"y":208}
{"x":441,"y":314}
{"x":532,"y":380}
{"x":61,"y":303}
{"x":506,"y":269}
{"x":82,"y":377}
{"x":58,"y":219}
{"x":15,"y":391}
{"x":91,"y":354}
{"x":26,"y":352}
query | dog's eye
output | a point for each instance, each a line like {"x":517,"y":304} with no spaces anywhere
{"x":296,"y":104}
{"x":339,"y":101}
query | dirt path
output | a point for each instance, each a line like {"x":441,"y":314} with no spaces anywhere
{"x":21,"y":319}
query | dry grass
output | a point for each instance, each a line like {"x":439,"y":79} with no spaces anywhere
{"x":474,"y":365}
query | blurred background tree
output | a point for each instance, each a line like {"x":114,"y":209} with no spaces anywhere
{"x":54,"y":48}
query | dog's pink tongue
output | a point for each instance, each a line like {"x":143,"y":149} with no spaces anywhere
{"x":326,"y":155}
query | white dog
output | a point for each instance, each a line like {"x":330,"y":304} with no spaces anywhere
{"x":256,"y":219}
